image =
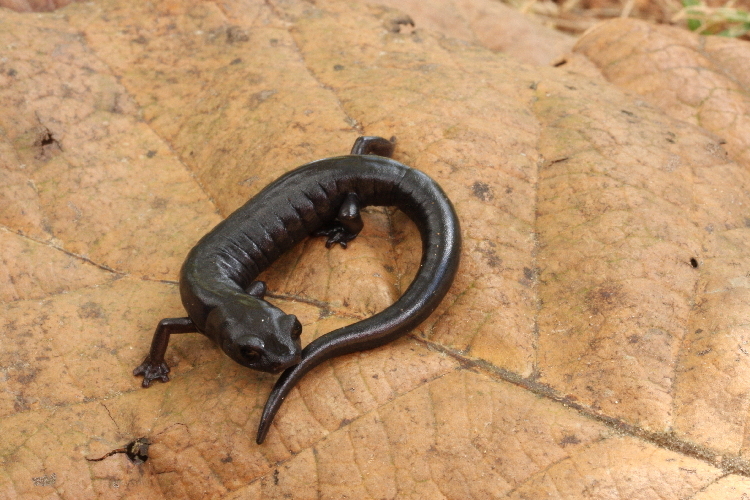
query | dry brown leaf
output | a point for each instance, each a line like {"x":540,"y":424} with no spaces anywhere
{"x":488,"y":23}
{"x":580,"y":353}
{"x":700,"y":80}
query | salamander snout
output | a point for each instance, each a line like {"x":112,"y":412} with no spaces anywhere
{"x":256,"y":334}
{"x":272,"y":359}
{"x":272,"y":348}
{"x":283,"y":363}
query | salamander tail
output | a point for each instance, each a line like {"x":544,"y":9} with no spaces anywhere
{"x":280,"y":391}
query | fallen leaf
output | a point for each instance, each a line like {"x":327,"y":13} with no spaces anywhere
{"x":700,"y":80}
{"x":487,"y":23}
{"x":591,"y":345}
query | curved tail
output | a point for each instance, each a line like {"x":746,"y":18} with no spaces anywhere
{"x":441,"y":245}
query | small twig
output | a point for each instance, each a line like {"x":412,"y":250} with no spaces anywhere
{"x":118,"y":450}
{"x":578,"y":25}
{"x":137,"y":451}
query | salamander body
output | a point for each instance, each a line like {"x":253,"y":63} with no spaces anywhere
{"x":324,"y":197}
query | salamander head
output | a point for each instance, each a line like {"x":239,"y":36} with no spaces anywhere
{"x":256,"y":334}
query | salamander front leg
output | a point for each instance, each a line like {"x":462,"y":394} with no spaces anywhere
{"x":347,"y":225}
{"x":154,"y":367}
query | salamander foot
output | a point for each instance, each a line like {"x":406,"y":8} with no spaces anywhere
{"x":154,"y":367}
{"x":347,"y":225}
{"x":336,"y":234}
{"x":152,"y":371}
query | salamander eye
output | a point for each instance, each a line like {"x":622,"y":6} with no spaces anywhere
{"x":296,"y":329}
{"x":250,"y":354}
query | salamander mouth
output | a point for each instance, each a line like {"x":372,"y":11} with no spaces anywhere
{"x":285,"y":363}
{"x":254,"y":359}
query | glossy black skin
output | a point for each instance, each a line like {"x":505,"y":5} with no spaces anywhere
{"x":320,"y":198}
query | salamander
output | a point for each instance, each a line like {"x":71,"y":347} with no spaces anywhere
{"x":225,"y":302}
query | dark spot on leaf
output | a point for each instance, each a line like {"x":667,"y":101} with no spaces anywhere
{"x":150,"y":154}
{"x":605,"y":297}
{"x":46,"y":480}
{"x":90,"y":310}
{"x":492,"y":258}
{"x":227,"y":460}
{"x":236,"y":34}
{"x":12,"y":72}
{"x":389,"y":268}
{"x":559,"y":160}
{"x":699,"y":330}
{"x":393,"y":24}
{"x":159,"y":203}
{"x":693,"y":262}
{"x":47,"y":139}
{"x":482,"y":190}
{"x":27,"y":378}
{"x":20,"y":404}
{"x":46,"y":143}
{"x":569,"y":439}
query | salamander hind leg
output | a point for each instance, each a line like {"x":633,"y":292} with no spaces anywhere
{"x":154,"y":367}
{"x":347,"y":225}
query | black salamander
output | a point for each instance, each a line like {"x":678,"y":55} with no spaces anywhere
{"x":323,"y":198}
